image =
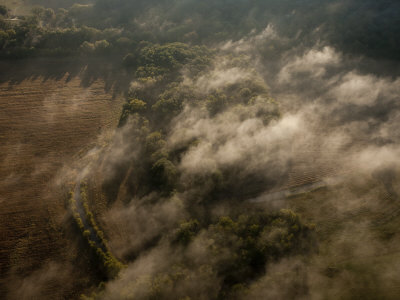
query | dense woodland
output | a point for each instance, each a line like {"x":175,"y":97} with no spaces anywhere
{"x":117,"y":27}
{"x":165,"y":51}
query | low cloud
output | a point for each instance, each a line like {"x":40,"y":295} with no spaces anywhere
{"x":338,"y":130}
{"x":35,"y":286}
{"x":312,"y":64}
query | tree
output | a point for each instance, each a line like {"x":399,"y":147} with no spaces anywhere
{"x":129,"y":60}
{"x":49,"y":16}
{"x":135,"y":106}
{"x":154,"y":142}
{"x":102,"y":46}
{"x":164,"y":174}
{"x":4,"y":10}
{"x":87,"y":48}
{"x":187,"y":231}
{"x":38,"y":12}
{"x":216,"y":103}
{"x":3,"y":38}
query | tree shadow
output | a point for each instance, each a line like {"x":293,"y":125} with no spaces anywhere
{"x":116,"y":79}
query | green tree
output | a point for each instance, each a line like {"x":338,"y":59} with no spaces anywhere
{"x":87,"y":48}
{"x":187,"y":231}
{"x":4,"y":10}
{"x":216,"y":103}
{"x":129,"y":61}
{"x":102,"y":46}
{"x":164,"y":174}
{"x":135,"y":106}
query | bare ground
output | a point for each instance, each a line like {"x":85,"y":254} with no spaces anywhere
{"x":45,"y":122}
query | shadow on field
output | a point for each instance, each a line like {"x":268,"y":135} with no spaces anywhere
{"x":116,"y":80}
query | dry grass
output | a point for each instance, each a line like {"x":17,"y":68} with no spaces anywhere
{"x":43,"y":125}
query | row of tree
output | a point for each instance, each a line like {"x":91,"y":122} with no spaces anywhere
{"x":124,"y":23}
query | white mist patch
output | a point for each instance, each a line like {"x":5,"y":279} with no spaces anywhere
{"x":57,"y":104}
{"x":229,"y":140}
{"x":223,"y":74}
{"x":314,"y":63}
{"x":133,"y":226}
{"x":247,"y":43}
{"x":374,"y":157}
{"x":363,"y":89}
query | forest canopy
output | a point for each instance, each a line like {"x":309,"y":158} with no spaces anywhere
{"x":199,"y":183}
{"x":357,"y":27}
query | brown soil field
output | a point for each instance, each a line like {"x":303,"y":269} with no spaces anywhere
{"x":47,"y":120}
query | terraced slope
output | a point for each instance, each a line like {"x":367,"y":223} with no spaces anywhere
{"x":44,"y":123}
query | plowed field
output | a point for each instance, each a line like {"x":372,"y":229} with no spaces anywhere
{"x":44,"y":123}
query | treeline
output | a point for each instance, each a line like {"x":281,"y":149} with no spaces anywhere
{"x":116,"y":27}
{"x":101,"y":255}
{"x":229,"y":255}
{"x":168,"y":56}
{"x":159,"y":93}
{"x":237,"y":246}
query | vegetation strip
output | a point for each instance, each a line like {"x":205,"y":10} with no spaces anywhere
{"x":91,"y":232}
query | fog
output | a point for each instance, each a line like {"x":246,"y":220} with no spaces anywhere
{"x":335,"y":116}
{"x":288,"y":113}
